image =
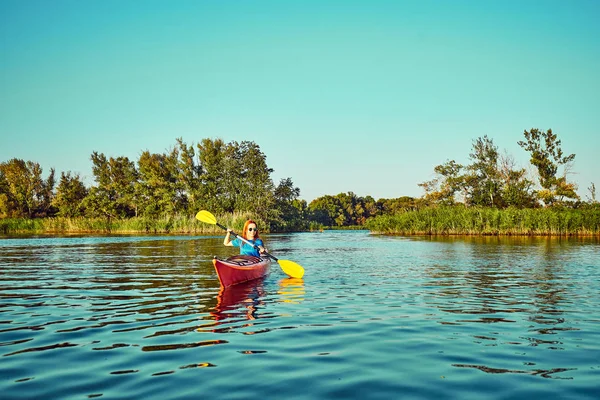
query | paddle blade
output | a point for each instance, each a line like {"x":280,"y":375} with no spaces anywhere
{"x":207,"y":217}
{"x":291,"y":268}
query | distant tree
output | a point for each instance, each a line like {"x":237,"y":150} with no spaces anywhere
{"x":592,"y":195}
{"x":158,"y":190}
{"x":397,"y":205}
{"x":326,"y":211}
{"x":114,"y":194}
{"x":289,"y":213}
{"x":447,"y":183}
{"x":517,"y":190}
{"x":189,"y":172}
{"x":235,"y":177}
{"x":343,"y":209}
{"x":547,"y":156}
{"x":211,"y":195}
{"x":70,"y":194}
{"x":484,"y":182}
{"x":255,"y":186}
{"x":23,"y":191}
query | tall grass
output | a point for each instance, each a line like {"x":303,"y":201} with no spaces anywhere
{"x":461,"y":220}
{"x":457,"y":220}
{"x":177,"y":224}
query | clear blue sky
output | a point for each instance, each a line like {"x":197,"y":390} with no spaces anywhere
{"x":361,"y":96}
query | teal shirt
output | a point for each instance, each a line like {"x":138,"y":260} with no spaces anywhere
{"x":246,"y":249}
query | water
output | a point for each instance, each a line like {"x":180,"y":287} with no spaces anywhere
{"x":374,"y":318}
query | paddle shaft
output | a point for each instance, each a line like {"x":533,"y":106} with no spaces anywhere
{"x":235,"y":235}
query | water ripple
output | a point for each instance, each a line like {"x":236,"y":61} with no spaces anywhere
{"x":144,"y":317}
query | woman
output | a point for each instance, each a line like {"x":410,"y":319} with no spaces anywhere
{"x":250,"y":233}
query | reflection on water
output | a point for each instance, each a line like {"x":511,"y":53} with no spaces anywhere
{"x":291,"y":290}
{"x":244,"y":298}
{"x":145,"y":317}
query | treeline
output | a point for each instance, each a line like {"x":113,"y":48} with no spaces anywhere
{"x":161,"y":192}
{"x":150,"y":193}
{"x":493,"y":179}
{"x":213,"y":175}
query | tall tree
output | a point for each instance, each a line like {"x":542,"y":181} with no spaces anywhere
{"x":447,"y":183}
{"x":484,"y":182}
{"x":156,"y":191}
{"x":24,"y":193}
{"x":114,"y":195}
{"x":213,"y":175}
{"x":288,"y":213}
{"x":189,"y":173}
{"x":255,"y":183}
{"x":517,"y":190}
{"x":326,"y":210}
{"x":547,"y":156}
{"x":70,"y":194}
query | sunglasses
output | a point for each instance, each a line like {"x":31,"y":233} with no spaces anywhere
{"x":252,"y":229}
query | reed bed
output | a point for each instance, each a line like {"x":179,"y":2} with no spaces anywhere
{"x":460,"y":220}
{"x":177,"y":224}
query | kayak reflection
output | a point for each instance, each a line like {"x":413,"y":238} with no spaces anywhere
{"x":291,"y":290}
{"x":240,"y":299}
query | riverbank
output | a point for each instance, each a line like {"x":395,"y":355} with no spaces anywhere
{"x":136,"y":225}
{"x":460,"y":220}
{"x":456,"y":220}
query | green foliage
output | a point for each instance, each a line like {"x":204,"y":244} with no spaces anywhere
{"x":23,"y":191}
{"x":114,"y":195}
{"x":162,"y":191}
{"x":289,"y":213}
{"x":484,"y":187}
{"x":443,"y":188}
{"x":69,"y":196}
{"x":547,"y":156}
{"x":344,"y":209}
{"x":461,"y":220}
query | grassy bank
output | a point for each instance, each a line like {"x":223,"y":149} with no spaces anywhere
{"x":456,"y":220}
{"x":460,"y":220}
{"x":170,"y":225}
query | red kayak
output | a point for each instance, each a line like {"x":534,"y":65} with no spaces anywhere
{"x":238,"y":269}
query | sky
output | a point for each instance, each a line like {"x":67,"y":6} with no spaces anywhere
{"x":341,"y":96}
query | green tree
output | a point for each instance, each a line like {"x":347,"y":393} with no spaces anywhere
{"x":447,"y":183}
{"x":189,"y":174}
{"x":325,"y":210}
{"x":397,"y":205}
{"x":211,"y":196}
{"x":114,"y":195}
{"x":547,"y":156}
{"x":484,"y":183}
{"x":157,"y":191}
{"x":289,"y":213}
{"x":235,"y":177}
{"x":254,"y":184}
{"x":23,"y":191}
{"x":517,"y":190}
{"x":70,"y":194}
{"x":592,"y":195}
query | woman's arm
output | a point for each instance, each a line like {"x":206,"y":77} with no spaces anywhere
{"x":261,"y":246}
{"x":227,"y":240}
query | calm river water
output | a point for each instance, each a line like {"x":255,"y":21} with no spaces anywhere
{"x":375,"y":317}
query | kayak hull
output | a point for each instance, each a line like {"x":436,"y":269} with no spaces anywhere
{"x":238,"y":269}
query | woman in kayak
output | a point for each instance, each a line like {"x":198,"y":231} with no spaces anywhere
{"x":250,"y":233}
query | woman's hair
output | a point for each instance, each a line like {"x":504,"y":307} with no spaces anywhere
{"x":245,"y":231}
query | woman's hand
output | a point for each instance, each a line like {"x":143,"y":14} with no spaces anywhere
{"x":227,"y":240}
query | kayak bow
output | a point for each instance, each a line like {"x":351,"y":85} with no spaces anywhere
{"x":241,"y":268}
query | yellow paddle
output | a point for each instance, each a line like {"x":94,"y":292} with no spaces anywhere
{"x":291,"y":268}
